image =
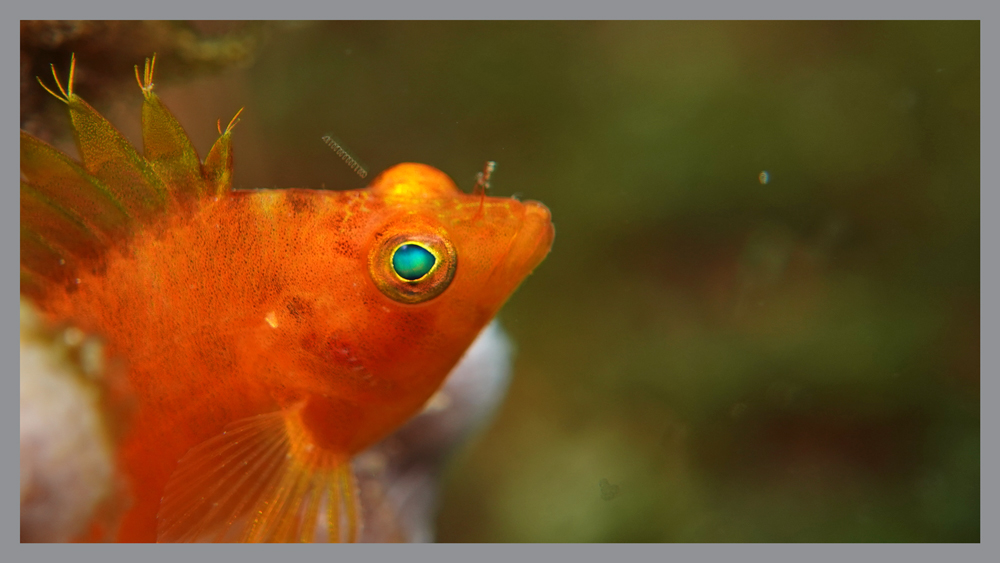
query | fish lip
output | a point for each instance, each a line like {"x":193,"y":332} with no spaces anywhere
{"x":532,"y":241}
{"x":538,"y":220}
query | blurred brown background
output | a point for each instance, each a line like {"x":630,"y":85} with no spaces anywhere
{"x":704,"y":356}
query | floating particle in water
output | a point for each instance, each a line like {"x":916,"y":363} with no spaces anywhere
{"x":763,"y":177}
{"x":343,"y":154}
{"x":608,"y":491}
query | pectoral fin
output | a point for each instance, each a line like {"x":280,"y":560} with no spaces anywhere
{"x":261,"y":480}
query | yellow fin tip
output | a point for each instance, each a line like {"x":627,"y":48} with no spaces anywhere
{"x":72,"y":72}
{"x":67,"y":92}
{"x":234,"y":121}
{"x":146,"y":82}
{"x":49,"y":90}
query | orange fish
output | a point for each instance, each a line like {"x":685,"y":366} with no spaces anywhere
{"x":269,"y":335}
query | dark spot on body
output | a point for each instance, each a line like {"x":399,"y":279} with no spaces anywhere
{"x":345,"y":248}
{"x":300,"y":202}
{"x":299,"y":308}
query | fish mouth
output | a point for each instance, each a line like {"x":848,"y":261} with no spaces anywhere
{"x":532,"y":241}
{"x":537,"y":229}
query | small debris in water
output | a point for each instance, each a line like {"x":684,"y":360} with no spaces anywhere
{"x":608,"y":491}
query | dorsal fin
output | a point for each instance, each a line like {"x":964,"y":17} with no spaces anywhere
{"x":218,"y":167}
{"x":56,"y":225}
{"x":108,"y":156}
{"x":59,"y":178}
{"x":166,"y":145}
{"x":71,"y":213}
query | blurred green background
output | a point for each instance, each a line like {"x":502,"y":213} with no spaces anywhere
{"x":703,"y":356}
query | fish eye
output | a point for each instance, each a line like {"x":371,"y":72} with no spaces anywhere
{"x":411,"y":261}
{"x":413,"y":267}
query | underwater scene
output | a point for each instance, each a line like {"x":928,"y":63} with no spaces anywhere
{"x":758,"y":320}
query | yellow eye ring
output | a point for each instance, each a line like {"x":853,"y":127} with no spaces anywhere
{"x":413,"y":267}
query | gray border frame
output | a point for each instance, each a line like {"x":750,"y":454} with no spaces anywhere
{"x":620,"y":9}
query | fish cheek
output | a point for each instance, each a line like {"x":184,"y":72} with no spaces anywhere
{"x":333,"y":365}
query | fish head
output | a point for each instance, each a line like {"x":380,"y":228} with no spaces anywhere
{"x":434,"y":240}
{"x":443,"y":262}
{"x":427,"y":268}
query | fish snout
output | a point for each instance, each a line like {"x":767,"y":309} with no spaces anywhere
{"x":532,"y":241}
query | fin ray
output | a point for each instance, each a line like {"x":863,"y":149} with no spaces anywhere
{"x":108,"y":156}
{"x":60,"y":179}
{"x":218,"y":167}
{"x":40,"y":215}
{"x":259,"y":481}
{"x":212,"y":472}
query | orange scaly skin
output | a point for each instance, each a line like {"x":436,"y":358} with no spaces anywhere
{"x":255,"y":302}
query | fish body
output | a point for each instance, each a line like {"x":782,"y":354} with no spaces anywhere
{"x":269,"y":335}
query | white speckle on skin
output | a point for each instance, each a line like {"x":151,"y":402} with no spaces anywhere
{"x":272,"y":319}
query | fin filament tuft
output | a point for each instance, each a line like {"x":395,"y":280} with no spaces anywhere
{"x":233,"y":122}
{"x":67,"y":93}
{"x":146,"y":83}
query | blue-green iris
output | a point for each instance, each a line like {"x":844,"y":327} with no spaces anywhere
{"x":412,"y":261}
